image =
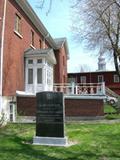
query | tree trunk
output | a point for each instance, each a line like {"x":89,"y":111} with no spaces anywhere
{"x":116,"y":63}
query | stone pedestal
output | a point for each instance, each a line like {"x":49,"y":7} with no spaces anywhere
{"x":52,"y":141}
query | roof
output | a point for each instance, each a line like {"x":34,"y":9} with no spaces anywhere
{"x":31,"y":51}
{"x":92,"y":72}
{"x":57,"y":43}
{"x":62,"y":41}
{"x":46,"y":53}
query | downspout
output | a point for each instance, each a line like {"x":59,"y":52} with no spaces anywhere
{"x":2,"y":49}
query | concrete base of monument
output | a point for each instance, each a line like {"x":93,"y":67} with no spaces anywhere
{"x":50,"y":141}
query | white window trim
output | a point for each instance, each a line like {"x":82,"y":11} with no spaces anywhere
{"x":99,"y":78}
{"x":16,"y":30}
{"x":116,"y":77}
{"x":18,"y":34}
{"x":42,"y":75}
{"x":83,"y":79}
{"x":44,"y":86}
{"x":32,"y":46}
{"x":32,"y":76}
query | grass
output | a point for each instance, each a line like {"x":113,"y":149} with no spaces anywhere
{"x":93,"y":142}
{"x":109,"y":109}
{"x":112,"y":116}
{"x":111,"y":113}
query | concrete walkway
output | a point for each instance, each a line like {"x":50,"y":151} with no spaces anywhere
{"x":103,"y":121}
{"x":32,"y":119}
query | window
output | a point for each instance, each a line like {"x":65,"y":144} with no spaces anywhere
{"x":39,"y":75}
{"x":32,"y":38}
{"x":11,"y":112}
{"x":30,"y":76}
{"x":116,"y":78}
{"x":83,"y":79}
{"x":30,"y":61}
{"x":49,"y":77}
{"x":18,"y":24}
{"x":100,"y":78}
{"x":39,"y":61}
{"x":40,"y":43}
{"x":71,"y":79}
{"x":11,"y":108}
{"x":64,"y":79}
{"x":63,"y":61}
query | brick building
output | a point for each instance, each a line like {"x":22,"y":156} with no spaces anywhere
{"x":30,"y":59}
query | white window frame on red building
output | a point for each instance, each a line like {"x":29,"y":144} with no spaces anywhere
{"x":116,"y":78}
{"x":83,"y":79}
{"x":100,"y":78}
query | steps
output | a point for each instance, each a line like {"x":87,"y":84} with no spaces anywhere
{"x":109,"y":92}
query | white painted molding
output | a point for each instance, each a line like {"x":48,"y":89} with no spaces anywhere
{"x":2,"y":47}
{"x":18,"y":34}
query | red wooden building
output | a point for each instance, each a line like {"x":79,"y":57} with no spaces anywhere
{"x":110,"y":78}
{"x":30,"y":59}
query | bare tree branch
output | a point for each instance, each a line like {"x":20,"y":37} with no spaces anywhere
{"x":97,"y":24}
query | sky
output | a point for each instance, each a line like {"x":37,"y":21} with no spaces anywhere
{"x":58,"y":23}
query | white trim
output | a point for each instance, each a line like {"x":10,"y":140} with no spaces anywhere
{"x":116,"y":78}
{"x":18,"y":34}
{"x":83,"y":79}
{"x":32,"y":46}
{"x":84,"y":97}
{"x":25,"y":94}
{"x":100,"y":78}
{"x":37,"y":87}
{"x":2,"y":48}
{"x":12,"y":113}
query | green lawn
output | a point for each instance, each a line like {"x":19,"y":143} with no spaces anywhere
{"x":92,"y":142}
{"x":108,"y":109}
{"x":110,"y":112}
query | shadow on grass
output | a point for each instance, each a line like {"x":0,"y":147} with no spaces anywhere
{"x":13,"y":146}
{"x":28,"y":151}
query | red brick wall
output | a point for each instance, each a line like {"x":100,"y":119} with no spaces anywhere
{"x":1,"y":23}
{"x":1,"y":16}
{"x":57,"y":67}
{"x":26,"y":106}
{"x":60,"y":73}
{"x":13,"y":67}
{"x":84,"y":107}
{"x":73,"y":107}
{"x":13,"y":74}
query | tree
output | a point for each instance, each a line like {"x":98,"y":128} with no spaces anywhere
{"x":82,"y":68}
{"x":97,"y":24}
{"x":41,"y":4}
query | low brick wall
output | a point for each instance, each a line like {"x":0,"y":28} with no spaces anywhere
{"x":26,"y":106}
{"x":84,"y":107}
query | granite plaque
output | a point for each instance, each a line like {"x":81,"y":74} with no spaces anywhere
{"x":50,"y":114}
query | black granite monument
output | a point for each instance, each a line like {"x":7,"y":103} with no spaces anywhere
{"x":50,"y":115}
